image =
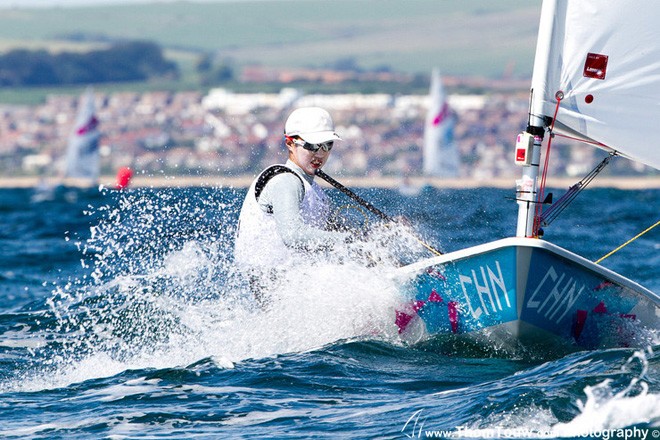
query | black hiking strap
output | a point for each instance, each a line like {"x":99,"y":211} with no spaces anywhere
{"x":268,"y":174}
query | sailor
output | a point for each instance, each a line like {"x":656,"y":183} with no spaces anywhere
{"x":285,"y":214}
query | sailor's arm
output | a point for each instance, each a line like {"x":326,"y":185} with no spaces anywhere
{"x":285,"y":193}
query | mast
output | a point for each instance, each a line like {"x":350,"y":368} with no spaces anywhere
{"x":528,"y":144}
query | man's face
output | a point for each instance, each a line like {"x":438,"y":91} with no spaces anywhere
{"x":309,"y":161}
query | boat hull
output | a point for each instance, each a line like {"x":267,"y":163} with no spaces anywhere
{"x":525,"y":292}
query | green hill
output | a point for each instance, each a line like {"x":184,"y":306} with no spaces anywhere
{"x":471,"y":37}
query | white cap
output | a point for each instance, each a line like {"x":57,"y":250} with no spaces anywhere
{"x":312,"y":124}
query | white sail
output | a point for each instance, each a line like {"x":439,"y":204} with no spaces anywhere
{"x":82,"y":156}
{"x":440,"y":152}
{"x":605,"y":59}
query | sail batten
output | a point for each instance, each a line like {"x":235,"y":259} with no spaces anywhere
{"x":605,"y":59}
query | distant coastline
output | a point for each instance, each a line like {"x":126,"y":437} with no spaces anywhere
{"x":651,"y":182}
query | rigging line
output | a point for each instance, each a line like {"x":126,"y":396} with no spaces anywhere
{"x":539,"y":200}
{"x":572,"y":193}
{"x":628,"y":242}
{"x":585,"y":141}
{"x":558,"y":207}
{"x":370,"y":207}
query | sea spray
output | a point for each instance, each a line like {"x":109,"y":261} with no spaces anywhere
{"x":617,"y":403}
{"x":560,"y":398}
{"x":161,"y":290}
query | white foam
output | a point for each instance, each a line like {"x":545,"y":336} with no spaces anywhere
{"x":608,"y":409}
{"x":605,"y":411}
{"x":147,"y":304}
{"x":316,"y":305}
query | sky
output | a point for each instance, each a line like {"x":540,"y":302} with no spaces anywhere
{"x":65,"y":3}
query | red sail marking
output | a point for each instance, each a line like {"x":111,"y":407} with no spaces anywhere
{"x":595,"y":66}
{"x":444,"y":111}
{"x":89,"y":126}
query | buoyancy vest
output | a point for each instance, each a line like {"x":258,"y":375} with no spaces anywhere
{"x":258,"y":243}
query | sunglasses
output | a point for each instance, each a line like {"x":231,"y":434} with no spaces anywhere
{"x":326,"y":146}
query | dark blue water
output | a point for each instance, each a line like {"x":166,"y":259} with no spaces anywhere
{"x":121,"y":316}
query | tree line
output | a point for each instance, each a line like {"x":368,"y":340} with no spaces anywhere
{"x":125,"y":61}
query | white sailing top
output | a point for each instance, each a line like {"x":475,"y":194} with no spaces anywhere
{"x":285,"y":222}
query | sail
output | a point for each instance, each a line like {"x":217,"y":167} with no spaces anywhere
{"x":440,"y":152}
{"x":82,"y":155}
{"x":604,"y":57}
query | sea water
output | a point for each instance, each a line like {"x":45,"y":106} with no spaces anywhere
{"x":122,"y":316}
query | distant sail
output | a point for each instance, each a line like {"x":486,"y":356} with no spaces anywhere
{"x":82,"y":156}
{"x":441,"y":157}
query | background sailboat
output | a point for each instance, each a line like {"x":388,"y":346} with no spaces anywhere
{"x":440,"y":153}
{"x":82,"y":155}
{"x":81,"y":165}
{"x":596,"y":78}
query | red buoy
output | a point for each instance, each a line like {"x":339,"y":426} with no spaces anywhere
{"x":124,"y":175}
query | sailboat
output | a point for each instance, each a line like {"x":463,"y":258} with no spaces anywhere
{"x":440,"y":153}
{"x":80,"y":168}
{"x":596,"y":78}
{"x":82,"y":155}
